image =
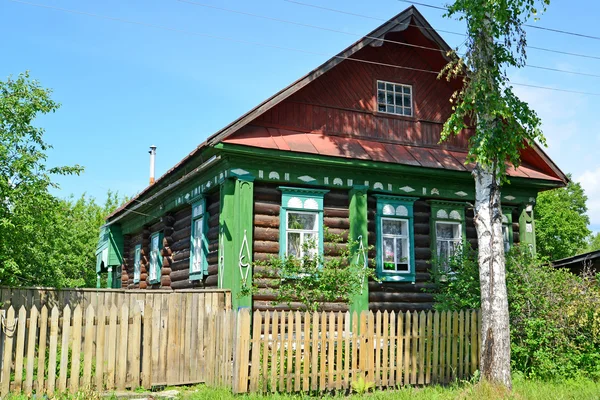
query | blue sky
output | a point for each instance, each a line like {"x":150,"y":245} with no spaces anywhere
{"x":124,"y":87}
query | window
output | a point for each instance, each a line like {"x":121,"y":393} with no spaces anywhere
{"x":448,"y":239}
{"x":394,"y":98}
{"x":198,"y":242}
{"x":136,"y":263}
{"x":301,"y":219}
{"x":155,"y":257}
{"x":395,"y":243}
{"x":302,"y":232}
{"x":448,"y":231}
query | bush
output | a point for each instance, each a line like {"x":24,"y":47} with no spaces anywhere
{"x":554,"y":314}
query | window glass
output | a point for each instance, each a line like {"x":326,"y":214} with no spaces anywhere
{"x":197,"y":243}
{"x":395,"y":243}
{"x":136,"y":263}
{"x":448,"y":238}
{"x":394,"y":98}
{"x":302,"y":228}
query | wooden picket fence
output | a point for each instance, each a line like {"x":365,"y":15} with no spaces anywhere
{"x":172,"y":340}
{"x":293,"y":351}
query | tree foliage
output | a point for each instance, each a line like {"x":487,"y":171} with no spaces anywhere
{"x":495,"y":42}
{"x":561,"y":222}
{"x":44,"y":240}
{"x":594,"y":243}
{"x":554,"y":314}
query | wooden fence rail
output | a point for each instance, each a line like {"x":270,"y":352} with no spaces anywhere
{"x":174,"y":339}
{"x":293,"y":351}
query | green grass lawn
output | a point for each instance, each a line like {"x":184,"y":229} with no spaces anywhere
{"x":523,"y":390}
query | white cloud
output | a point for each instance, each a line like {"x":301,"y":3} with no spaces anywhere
{"x":590,"y":180}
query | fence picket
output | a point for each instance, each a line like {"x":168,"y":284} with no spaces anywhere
{"x":436,"y":347}
{"x":448,"y":373}
{"x":400,"y":349}
{"x":315,"y":353}
{"x":461,"y":343}
{"x":136,"y":344}
{"x":339,"y":340}
{"x":331,"y":352}
{"x":323,"y":351}
{"x":255,"y":366}
{"x":298,"y":350}
{"x":346,"y":377}
{"x":393,"y":344}
{"x":377,"y":348}
{"x":100,"y":337}
{"x":75,"y":349}
{"x":275,"y":330}
{"x":64,"y":349}
{"x":370,"y":347}
{"x":421,"y":338}
{"x":385,"y":349}
{"x":20,"y":334}
{"x":355,"y":340}
{"x":290,"y":351}
{"x":454,"y":355}
{"x":88,"y":347}
{"x":474,"y":341}
{"x":9,"y":334}
{"x":52,"y":351}
{"x":429,"y":346}
{"x":307,"y":354}
{"x":33,"y":321}
{"x":111,"y":345}
{"x":265,"y":354}
{"x":41,"y":361}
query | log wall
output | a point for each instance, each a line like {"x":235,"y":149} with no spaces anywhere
{"x":176,"y":229}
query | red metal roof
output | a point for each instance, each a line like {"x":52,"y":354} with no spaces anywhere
{"x":349,"y":147}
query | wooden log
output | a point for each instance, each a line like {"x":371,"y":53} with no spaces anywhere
{"x":264,"y":256}
{"x":405,"y":306}
{"x":213,"y":233}
{"x":266,"y":234}
{"x":336,"y":212}
{"x":422,"y":228}
{"x":392,"y":297}
{"x":180,"y":234}
{"x":266,"y":208}
{"x":180,"y":264}
{"x":266,"y":247}
{"x":399,"y":286}
{"x":165,"y":281}
{"x":180,"y":245}
{"x":186,"y":284}
{"x":423,"y":253}
{"x":268,"y":221}
{"x":213,"y":269}
{"x":211,"y":281}
{"x":341,"y":223}
{"x":183,"y":274}
{"x":212,"y":258}
{"x":268,"y":306}
{"x":181,"y":255}
{"x":213,"y":207}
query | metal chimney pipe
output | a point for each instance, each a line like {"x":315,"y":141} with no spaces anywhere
{"x":152,"y":158}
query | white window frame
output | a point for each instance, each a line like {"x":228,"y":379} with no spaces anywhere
{"x":197,"y":244}
{"x":394,"y":84}
{"x":392,"y":236}
{"x":457,"y":240}
{"x":137,"y":260}
{"x":302,"y":232}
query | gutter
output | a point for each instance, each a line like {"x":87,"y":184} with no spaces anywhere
{"x":178,"y":182}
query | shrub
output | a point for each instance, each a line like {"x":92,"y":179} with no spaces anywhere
{"x":554,"y":314}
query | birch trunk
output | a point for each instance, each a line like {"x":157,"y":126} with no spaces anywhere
{"x":495,"y":331}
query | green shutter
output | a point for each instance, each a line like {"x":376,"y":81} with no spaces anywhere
{"x":199,"y":212}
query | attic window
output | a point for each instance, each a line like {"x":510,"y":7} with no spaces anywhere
{"x":394,"y":98}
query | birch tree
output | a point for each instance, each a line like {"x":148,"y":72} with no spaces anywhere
{"x":496,"y":42}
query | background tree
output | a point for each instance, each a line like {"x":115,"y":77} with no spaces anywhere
{"x":561,"y":222}
{"x":594,"y":243}
{"x":504,"y":125}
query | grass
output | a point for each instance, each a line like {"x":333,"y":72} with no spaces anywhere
{"x":523,"y":390}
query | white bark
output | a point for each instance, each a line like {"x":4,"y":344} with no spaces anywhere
{"x":495,"y":331}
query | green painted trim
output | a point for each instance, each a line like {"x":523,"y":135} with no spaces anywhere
{"x":279,"y":157}
{"x":137,"y":258}
{"x":296,"y":194}
{"x":236,"y":236}
{"x":383,"y":211}
{"x":199,"y":212}
{"x":527,"y":227}
{"x":158,"y":259}
{"x":359,"y":231}
{"x":448,"y":207}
